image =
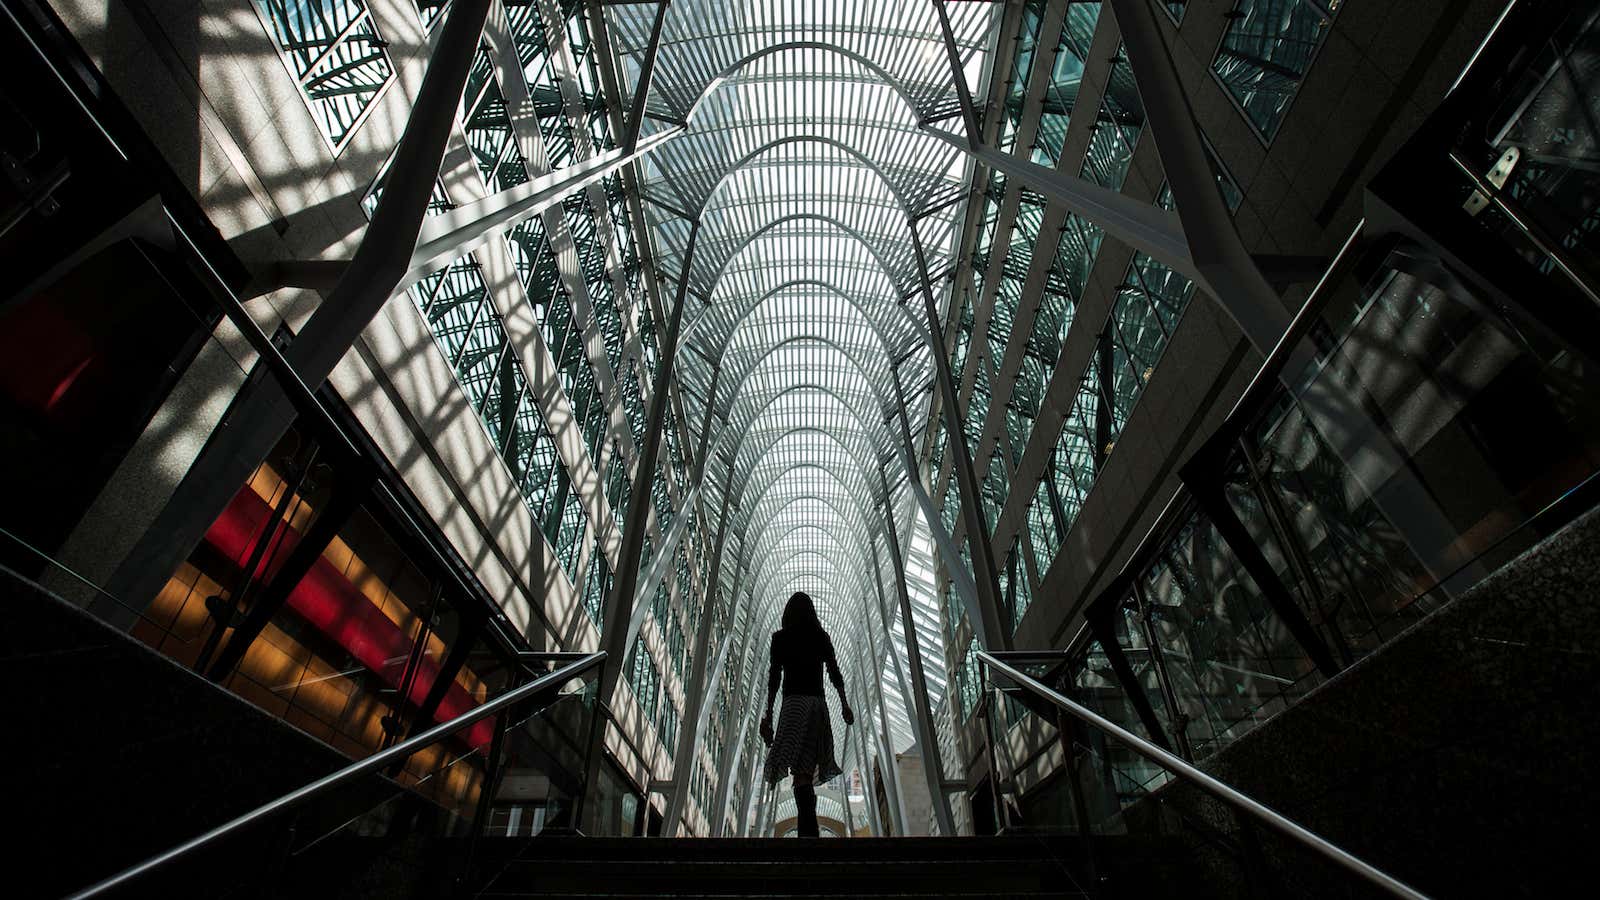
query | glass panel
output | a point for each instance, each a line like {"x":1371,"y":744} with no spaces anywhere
{"x":1232,"y":662}
{"x":336,"y":55}
{"x":354,"y":653}
{"x":487,"y":126}
{"x":1066,"y":76}
{"x":1266,"y":51}
{"x":1493,"y":422}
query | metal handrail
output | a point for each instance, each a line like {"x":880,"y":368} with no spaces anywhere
{"x":1221,"y":791}
{"x":358,"y":769}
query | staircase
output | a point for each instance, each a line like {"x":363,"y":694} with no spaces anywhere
{"x":1465,"y":789}
{"x":971,"y":868}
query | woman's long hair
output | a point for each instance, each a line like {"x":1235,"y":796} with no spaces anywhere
{"x":800,"y":614}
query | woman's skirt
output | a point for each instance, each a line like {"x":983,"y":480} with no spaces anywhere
{"x":803,"y":741}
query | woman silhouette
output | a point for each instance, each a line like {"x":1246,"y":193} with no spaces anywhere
{"x":803,"y":744}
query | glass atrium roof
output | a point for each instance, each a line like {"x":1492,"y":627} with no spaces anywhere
{"x":804,"y":162}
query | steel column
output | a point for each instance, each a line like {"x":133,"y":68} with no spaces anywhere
{"x":873,"y":820}
{"x":346,"y":498}
{"x":958,"y":76}
{"x":443,"y":238}
{"x":1203,"y":475}
{"x":891,"y":775}
{"x":660,"y":565}
{"x":696,"y":709}
{"x":224,"y":614}
{"x":994,"y":633}
{"x":615,"y":637}
{"x":760,"y":784}
{"x":1169,"y":694}
{"x":719,"y":802}
{"x":965,"y":585}
{"x":705,"y":426}
{"x":748,"y":779}
{"x":1100,"y":616}
{"x":932,"y":764}
{"x":844,"y":793}
{"x":647,"y":71}
{"x":924,"y":735}
{"x":1142,"y":226}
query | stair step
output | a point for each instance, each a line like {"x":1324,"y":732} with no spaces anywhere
{"x":828,"y":894}
{"x":817,"y":867}
{"x":1030,"y":848}
{"x":971,"y":868}
{"x":966,"y":868}
{"x":746,"y":877}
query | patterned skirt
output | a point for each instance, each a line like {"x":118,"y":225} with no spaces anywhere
{"x":803,"y":741}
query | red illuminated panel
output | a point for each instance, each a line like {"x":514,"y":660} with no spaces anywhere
{"x":335,"y":607}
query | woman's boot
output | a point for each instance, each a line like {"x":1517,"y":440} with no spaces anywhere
{"x":805,"y":804}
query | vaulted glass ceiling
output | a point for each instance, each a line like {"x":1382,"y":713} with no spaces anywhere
{"x":804,"y":163}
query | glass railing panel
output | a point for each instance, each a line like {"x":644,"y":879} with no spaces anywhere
{"x":112,"y":369}
{"x":515,"y":774}
{"x":1469,"y":424}
{"x":1087,"y":780}
{"x":1417,"y":451}
{"x":538,"y":777}
{"x":351,"y":651}
{"x":1231,"y":660}
{"x":1145,"y":665}
{"x":1095,"y":685}
{"x":37,"y":574}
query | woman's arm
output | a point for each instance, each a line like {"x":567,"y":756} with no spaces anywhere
{"x":831,"y":660}
{"x":774,"y":680}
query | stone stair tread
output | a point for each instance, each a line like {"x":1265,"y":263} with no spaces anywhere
{"x":976,"y":868}
{"x":823,"y":864}
{"x":864,"y":849}
{"x":776,"y":895}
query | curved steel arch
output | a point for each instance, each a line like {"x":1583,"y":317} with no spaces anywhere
{"x":843,"y":486}
{"x":784,"y":433}
{"x":754,"y":554}
{"x":857,"y":517}
{"x":842,"y":578}
{"x":886,"y":409}
{"x":716,"y":445}
{"x":851,"y":521}
{"x":780,"y":555}
{"x":846,"y":486}
{"x":744,"y":432}
{"x":768,"y":600}
{"x":694,"y":327}
{"x":756,"y":235}
{"x":765,"y":355}
{"x":859,"y":156}
{"x":872,"y":322}
{"x":748,"y":428}
{"x":780,"y":434}
{"x":764,"y":548}
{"x":794,"y":520}
{"x":842,"y":467}
{"x":889,"y":80}
{"x":743,"y":512}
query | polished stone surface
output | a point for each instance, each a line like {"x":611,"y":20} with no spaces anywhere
{"x":1459,"y":757}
